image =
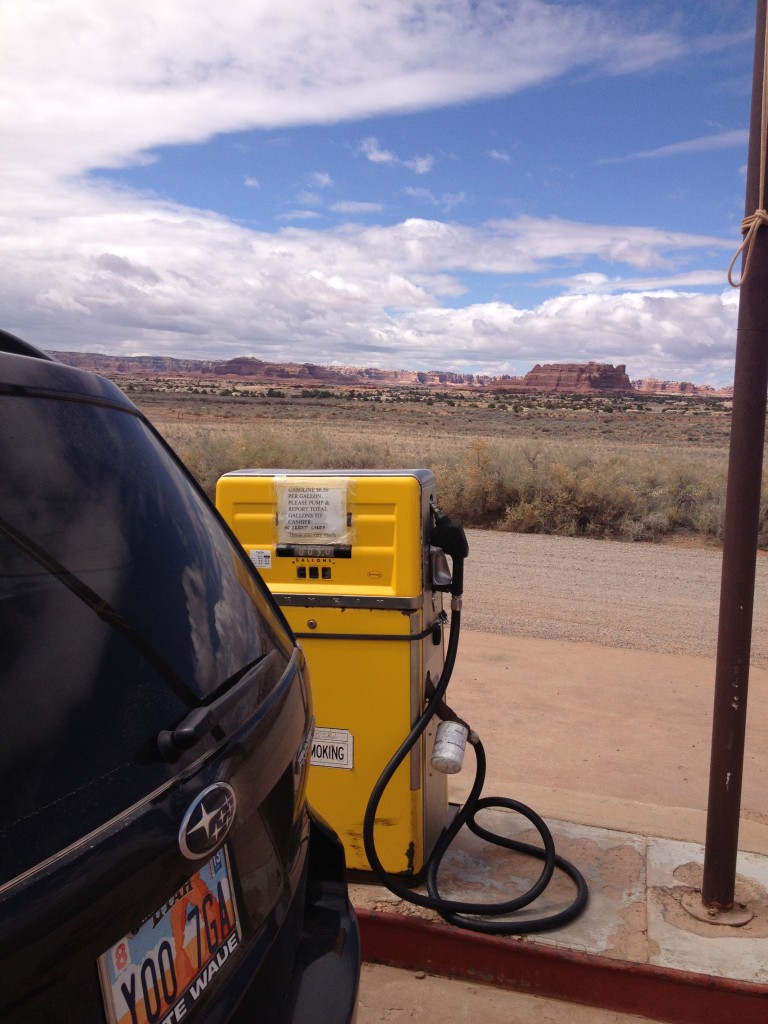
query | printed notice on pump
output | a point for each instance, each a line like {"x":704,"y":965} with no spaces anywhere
{"x":312,"y":511}
{"x":332,"y":748}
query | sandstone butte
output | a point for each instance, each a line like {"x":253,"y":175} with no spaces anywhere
{"x":576,"y":378}
{"x":546,"y":378}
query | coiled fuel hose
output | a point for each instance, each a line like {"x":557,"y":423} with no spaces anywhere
{"x":462,"y":913}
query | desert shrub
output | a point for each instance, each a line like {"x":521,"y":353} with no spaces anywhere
{"x":471,"y":483}
{"x":209,"y":454}
{"x":528,"y":486}
{"x":651,"y":527}
{"x":570,"y":492}
{"x":622,"y":495}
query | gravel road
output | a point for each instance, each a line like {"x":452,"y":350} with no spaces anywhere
{"x":649,"y":597}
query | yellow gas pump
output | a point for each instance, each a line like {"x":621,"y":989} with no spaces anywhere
{"x":357,"y":561}
{"x":348,"y":557}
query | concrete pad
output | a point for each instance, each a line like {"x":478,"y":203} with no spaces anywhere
{"x":634,"y":948}
{"x":612,"y":863}
{"x":678,"y":940}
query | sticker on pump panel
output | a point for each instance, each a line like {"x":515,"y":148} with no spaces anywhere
{"x":261,"y":558}
{"x":332,"y":748}
{"x":312,"y":511}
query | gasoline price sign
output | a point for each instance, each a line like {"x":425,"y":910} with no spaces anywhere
{"x":310,"y":512}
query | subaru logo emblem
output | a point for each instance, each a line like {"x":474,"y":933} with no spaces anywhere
{"x":207,"y":822}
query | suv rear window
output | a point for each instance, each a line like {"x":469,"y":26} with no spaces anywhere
{"x":123,"y":602}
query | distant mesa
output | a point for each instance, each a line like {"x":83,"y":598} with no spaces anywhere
{"x":577,"y":378}
{"x":653,"y":386}
{"x":544,"y":378}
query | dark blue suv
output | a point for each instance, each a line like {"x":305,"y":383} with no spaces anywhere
{"x":158,"y":861}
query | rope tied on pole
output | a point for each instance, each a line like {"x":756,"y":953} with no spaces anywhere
{"x":751,"y":225}
{"x":749,"y":228}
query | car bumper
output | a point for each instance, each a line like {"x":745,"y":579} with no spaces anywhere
{"x":311,"y":972}
{"x":327,"y":966}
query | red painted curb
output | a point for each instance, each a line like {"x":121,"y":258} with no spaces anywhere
{"x":659,"y":993}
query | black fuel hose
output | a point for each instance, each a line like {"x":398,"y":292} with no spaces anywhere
{"x":459,"y":912}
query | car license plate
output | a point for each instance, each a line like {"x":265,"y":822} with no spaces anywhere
{"x":156,"y":974}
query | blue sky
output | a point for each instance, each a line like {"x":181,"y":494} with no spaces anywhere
{"x":470,"y":185}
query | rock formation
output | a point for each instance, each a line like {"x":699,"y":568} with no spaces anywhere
{"x":575,"y":378}
{"x":547,"y":378}
{"x":654,"y":386}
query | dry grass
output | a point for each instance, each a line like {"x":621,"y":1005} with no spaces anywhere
{"x":630,"y":468}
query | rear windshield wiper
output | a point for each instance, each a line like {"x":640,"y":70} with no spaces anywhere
{"x":203,"y":719}
{"x":100,"y":607}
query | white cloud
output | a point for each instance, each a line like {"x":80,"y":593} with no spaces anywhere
{"x":654,"y":334}
{"x":444,"y":202}
{"x":356,"y":206}
{"x":371,"y":150}
{"x":108,"y":270}
{"x":100,"y":83}
{"x":309,"y":199}
{"x":420,"y":164}
{"x":320,"y":179}
{"x":593,"y":282}
{"x":299,"y":214}
{"x":737,"y":139}
{"x":641,"y":247}
{"x":179,"y":72}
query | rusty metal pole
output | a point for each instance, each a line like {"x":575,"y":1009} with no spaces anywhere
{"x":742,"y":511}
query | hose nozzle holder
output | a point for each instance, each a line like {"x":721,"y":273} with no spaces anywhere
{"x":450,"y":537}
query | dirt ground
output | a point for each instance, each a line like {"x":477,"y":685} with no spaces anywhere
{"x":588,"y":670}
{"x":390,"y":995}
{"x":661,"y":598}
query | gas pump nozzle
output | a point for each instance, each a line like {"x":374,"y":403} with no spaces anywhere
{"x":450,"y":537}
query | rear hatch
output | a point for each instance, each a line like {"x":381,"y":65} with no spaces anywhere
{"x":154,"y":723}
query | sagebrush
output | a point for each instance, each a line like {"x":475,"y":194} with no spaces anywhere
{"x":523,"y":486}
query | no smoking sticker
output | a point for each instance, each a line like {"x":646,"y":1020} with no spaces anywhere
{"x":332,"y":748}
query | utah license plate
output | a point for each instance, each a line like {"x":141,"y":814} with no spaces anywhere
{"x":156,"y":974}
